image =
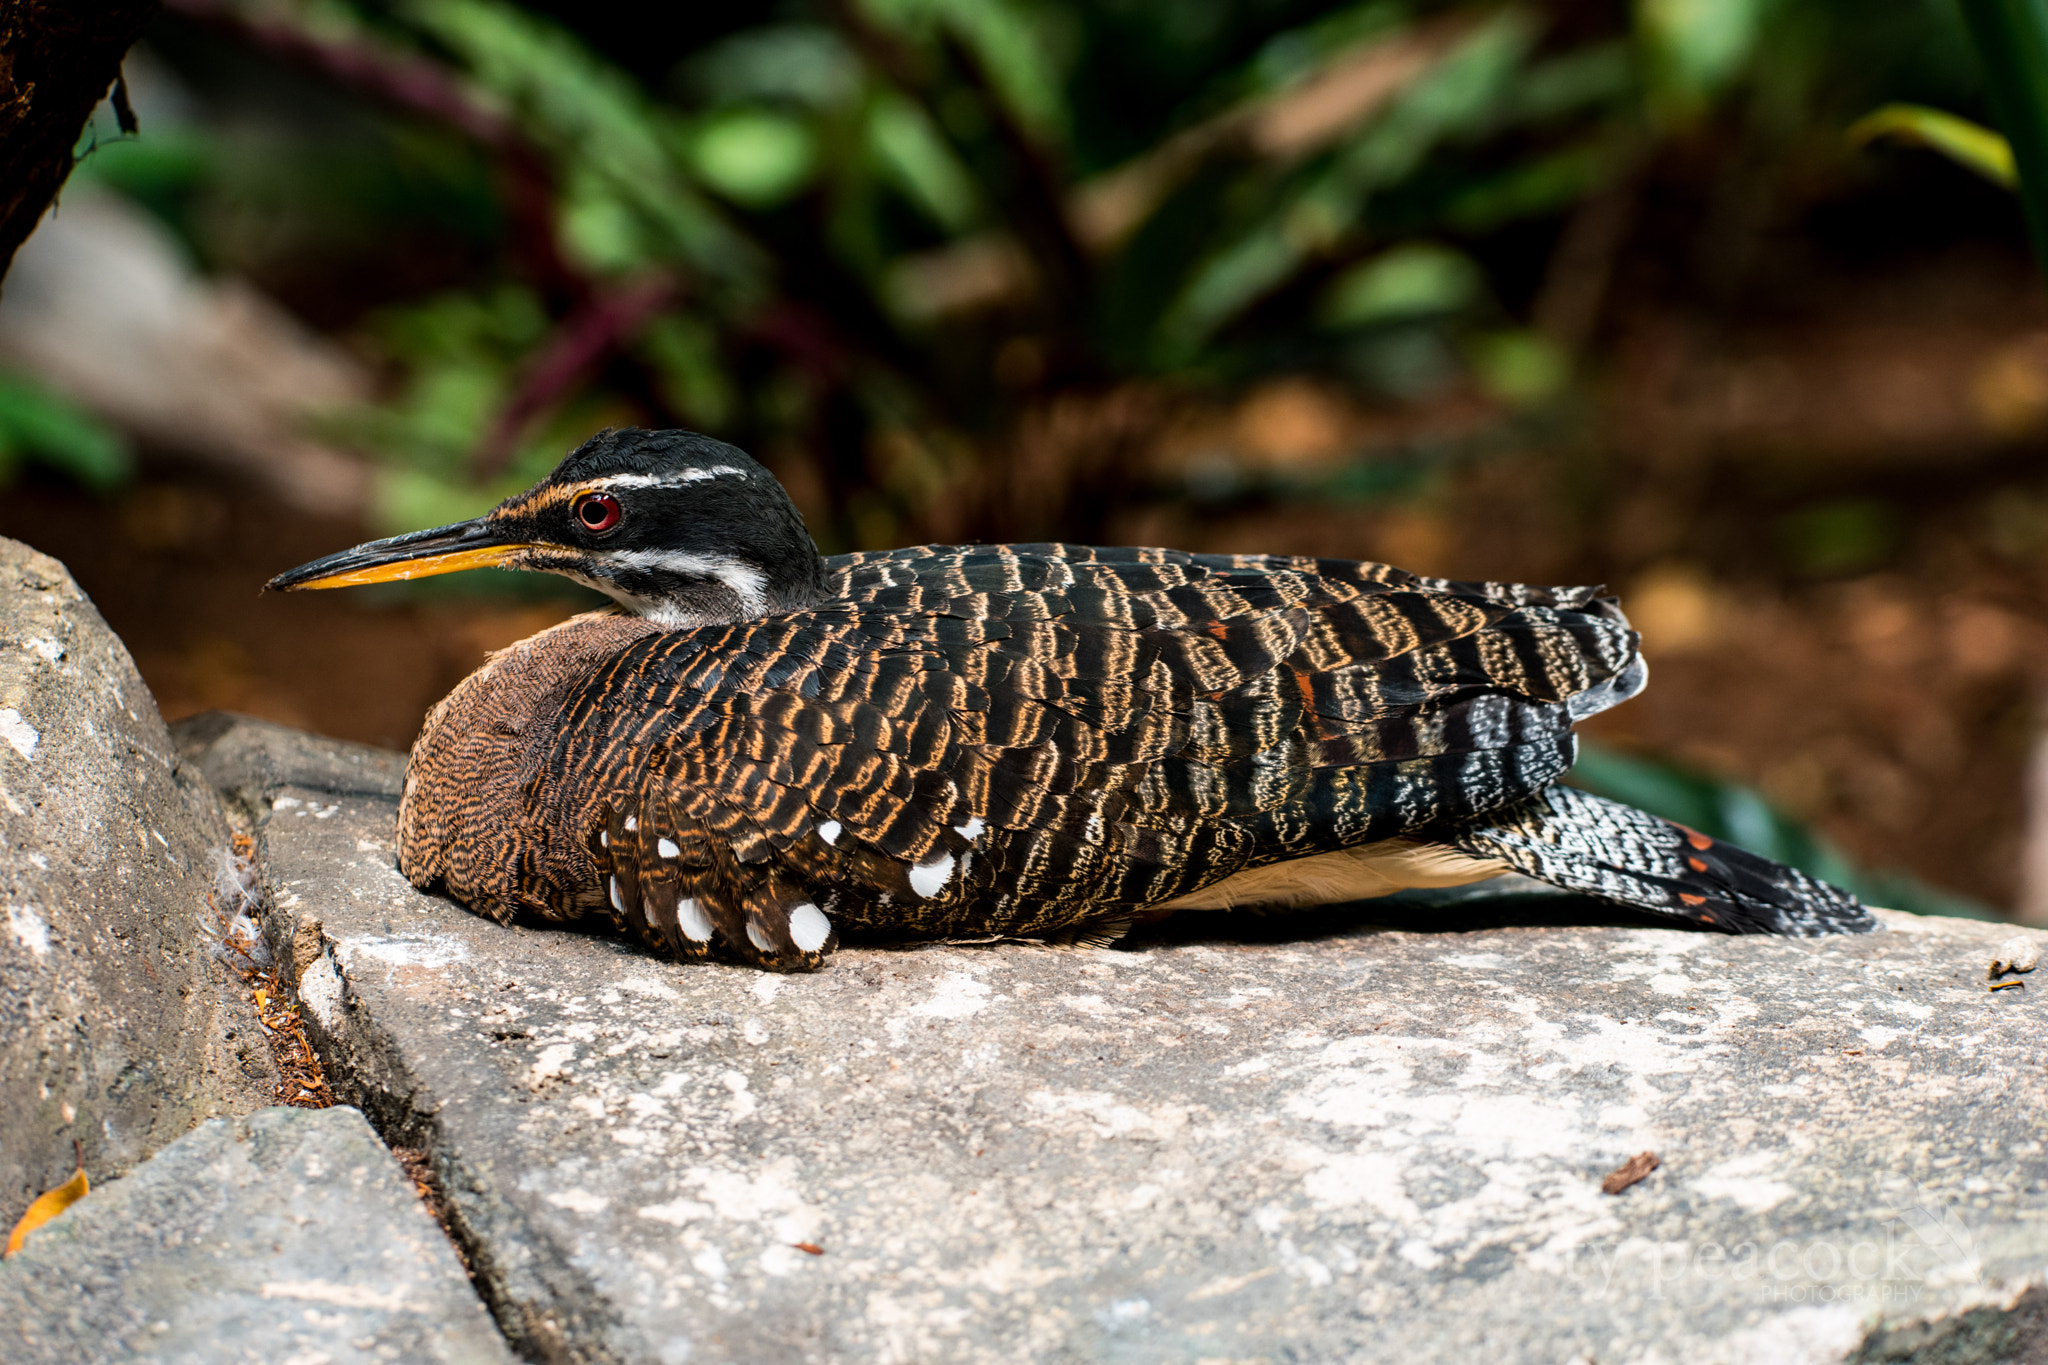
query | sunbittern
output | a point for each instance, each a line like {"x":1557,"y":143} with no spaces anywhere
{"x":758,"y":745}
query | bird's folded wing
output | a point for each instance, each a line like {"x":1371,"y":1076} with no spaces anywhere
{"x":1079,"y":734}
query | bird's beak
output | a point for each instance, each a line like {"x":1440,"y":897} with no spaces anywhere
{"x":417,"y":554}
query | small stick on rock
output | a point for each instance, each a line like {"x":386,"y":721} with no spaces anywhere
{"x":1629,"y":1172}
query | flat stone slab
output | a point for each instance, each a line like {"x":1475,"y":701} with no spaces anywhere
{"x":288,"y":1235}
{"x":1323,"y":1139}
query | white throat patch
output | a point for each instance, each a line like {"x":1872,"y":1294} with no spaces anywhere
{"x":748,"y":584}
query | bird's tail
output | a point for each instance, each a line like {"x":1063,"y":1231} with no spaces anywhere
{"x":1602,"y":848}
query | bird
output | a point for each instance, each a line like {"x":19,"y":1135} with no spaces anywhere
{"x":756,"y":750}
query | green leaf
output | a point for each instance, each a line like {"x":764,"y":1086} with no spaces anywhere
{"x":1696,"y":48}
{"x":1968,"y":144}
{"x":595,"y":122}
{"x":1604,"y":73}
{"x":1418,"y":279}
{"x":150,"y":169}
{"x":1457,"y":98}
{"x":458,"y":353}
{"x":918,"y":161}
{"x":601,"y":232}
{"x":1518,"y":366}
{"x":1023,"y":46}
{"x":2012,"y":39}
{"x":1461,"y":97}
{"x":1534,"y":188}
{"x":39,"y":427}
{"x":754,"y":157}
{"x":1226,"y":284}
{"x":1294,"y":54}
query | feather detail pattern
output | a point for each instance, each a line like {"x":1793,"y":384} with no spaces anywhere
{"x":1032,"y":740}
{"x":1586,"y":843}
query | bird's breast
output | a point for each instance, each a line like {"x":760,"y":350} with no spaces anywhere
{"x":461,"y":818}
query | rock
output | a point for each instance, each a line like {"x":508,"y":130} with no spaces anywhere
{"x":2020,"y":953}
{"x":247,"y":759}
{"x":1370,"y":1133}
{"x":287,"y":1235}
{"x":117,"y":1027}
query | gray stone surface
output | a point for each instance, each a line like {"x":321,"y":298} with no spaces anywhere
{"x":288,"y":1235}
{"x":247,"y":759}
{"x":115,"y":1024}
{"x":1317,"y":1139}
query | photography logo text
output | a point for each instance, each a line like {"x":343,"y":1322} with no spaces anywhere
{"x":1922,"y":1246}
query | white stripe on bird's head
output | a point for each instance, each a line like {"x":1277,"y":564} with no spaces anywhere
{"x":681,"y":478}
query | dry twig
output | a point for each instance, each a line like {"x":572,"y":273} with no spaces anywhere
{"x":1629,"y":1172}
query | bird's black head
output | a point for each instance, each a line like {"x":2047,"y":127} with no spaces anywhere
{"x":679,"y":528}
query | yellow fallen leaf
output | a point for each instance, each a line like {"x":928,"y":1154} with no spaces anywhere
{"x":47,"y":1206}
{"x":1967,"y":144}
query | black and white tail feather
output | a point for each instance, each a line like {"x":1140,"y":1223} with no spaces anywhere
{"x":1602,"y":848}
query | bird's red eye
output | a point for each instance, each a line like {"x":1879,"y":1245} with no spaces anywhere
{"x":597,"y":511}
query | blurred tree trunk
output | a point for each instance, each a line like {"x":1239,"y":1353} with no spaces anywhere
{"x":57,"y":60}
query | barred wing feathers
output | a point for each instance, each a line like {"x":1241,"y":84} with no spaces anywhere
{"x":1025,"y":739}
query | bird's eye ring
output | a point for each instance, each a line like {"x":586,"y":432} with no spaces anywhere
{"x":597,"y":511}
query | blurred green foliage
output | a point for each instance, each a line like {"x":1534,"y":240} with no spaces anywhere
{"x":2012,"y":41}
{"x":37,"y":427}
{"x":2011,"y":38}
{"x":1843,"y":536}
{"x":1405,"y":283}
{"x":882,"y":217}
